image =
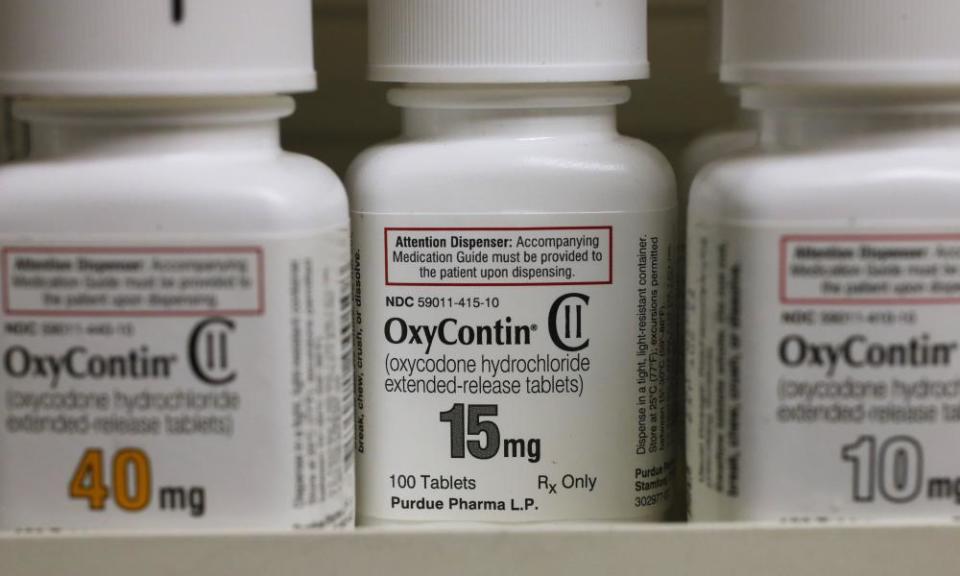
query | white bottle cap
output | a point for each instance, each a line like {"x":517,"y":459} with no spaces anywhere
{"x":155,"y":47}
{"x":508,"y":41}
{"x":841,"y":42}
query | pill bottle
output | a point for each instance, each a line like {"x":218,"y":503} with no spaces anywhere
{"x":823,"y":270}
{"x":175,"y":347}
{"x":514,"y":264}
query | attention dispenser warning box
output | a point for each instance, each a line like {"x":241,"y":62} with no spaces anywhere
{"x":135,"y":281}
{"x":566,"y":256}
{"x":870,"y":270}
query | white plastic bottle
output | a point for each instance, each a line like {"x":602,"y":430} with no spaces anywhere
{"x":514,"y":264}
{"x":175,"y":346}
{"x":823,"y":349}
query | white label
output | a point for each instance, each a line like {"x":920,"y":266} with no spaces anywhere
{"x":514,"y":368}
{"x":176,"y":386}
{"x":822,"y":374}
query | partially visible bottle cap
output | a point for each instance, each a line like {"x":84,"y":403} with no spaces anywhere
{"x":507,"y":41}
{"x":841,"y":42}
{"x":155,"y":47}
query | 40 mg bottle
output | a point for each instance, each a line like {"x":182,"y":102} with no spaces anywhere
{"x":175,"y":341}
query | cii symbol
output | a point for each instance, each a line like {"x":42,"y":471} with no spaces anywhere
{"x":566,"y":322}
{"x":209,"y":351}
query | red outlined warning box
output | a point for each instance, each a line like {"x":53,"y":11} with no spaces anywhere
{"x":464,"y":257}
{"x":69,"y":281}
{"x":870,"y":269}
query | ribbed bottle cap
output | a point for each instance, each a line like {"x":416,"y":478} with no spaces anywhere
{"x":841,"y":42}
{"x":155,"y":47}
{"x":508,"y":41}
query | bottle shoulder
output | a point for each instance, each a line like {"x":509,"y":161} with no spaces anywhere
{"x":713,"y":146}
{"x":575,"y":174}
{"x":901,"y":183}
{"x":188,"y":194}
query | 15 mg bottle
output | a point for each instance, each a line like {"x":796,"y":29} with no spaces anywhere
{"x":514,"y":270}
{"x":175,"y":345}
{"x":823,"y":367}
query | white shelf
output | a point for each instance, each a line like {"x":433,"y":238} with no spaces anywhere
{"x":665,"y":550}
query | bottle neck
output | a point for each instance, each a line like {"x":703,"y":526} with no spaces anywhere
{"x":140,"y":127}
{"x":511,"y":111}
{"x":797,"y":119}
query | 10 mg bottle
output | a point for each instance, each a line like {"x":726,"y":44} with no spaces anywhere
{"x":514,"y":271}
{"x":822,"y":366}
{"x":175,"y":348}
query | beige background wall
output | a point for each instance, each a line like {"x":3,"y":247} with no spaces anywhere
{"x":348,"y":113}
